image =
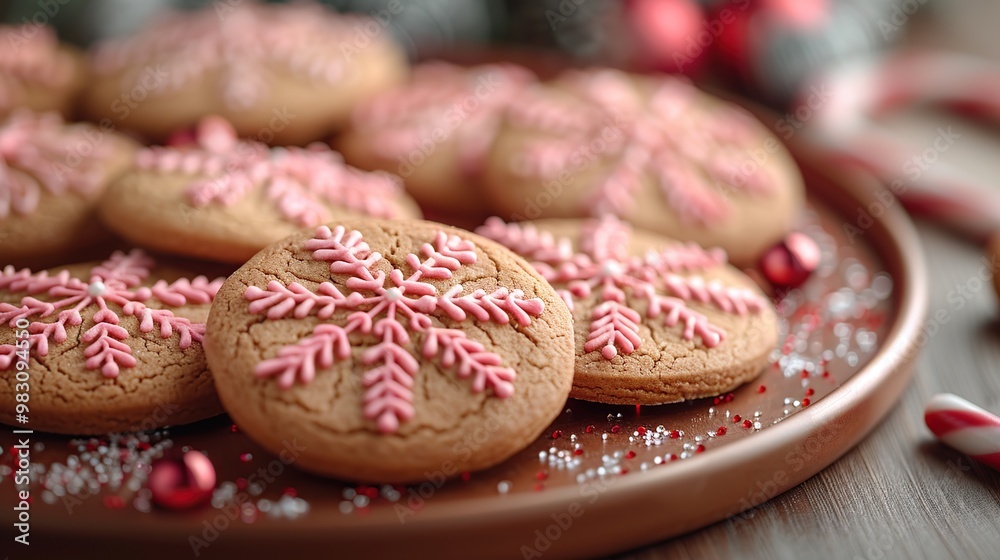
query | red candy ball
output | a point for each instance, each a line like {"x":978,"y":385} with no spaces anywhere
{"x":182,"y":483}
{"x":790,"y":263}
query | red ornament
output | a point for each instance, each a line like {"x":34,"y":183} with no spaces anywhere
{"x":671,"y":35}
{"x":790,"y":263}
{"x":182,"y":483}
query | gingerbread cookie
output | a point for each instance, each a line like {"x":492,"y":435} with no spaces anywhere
{"x":654,"y":151}
{"x":656,"y":321}
{"x":36,"y":72}
{"x":380,"y":347}
{"x":52,"y":175}
{"x":436,"y":131}
{"x":104,"y":347}
{"x":281,"y":73}
{"x":225,"y":199}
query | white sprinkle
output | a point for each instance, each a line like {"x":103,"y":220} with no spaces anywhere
{"x":503,"y":486}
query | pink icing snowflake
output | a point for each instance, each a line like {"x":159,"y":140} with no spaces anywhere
{"x":242,"y":46}
{"x":35,"y":155}
{"x":390,"y":307}
{"x":604,"y":268}
{"x":113,"y":284}
{"x":443,"y":99}
{"x":299,"y":182}
{"x":694,"y":157}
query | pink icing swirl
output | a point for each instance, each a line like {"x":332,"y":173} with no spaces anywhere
{"x":113,"y":283}
{"x":390,"y":306}
{"x":246,"y":48}
{"x":299,"y":182}
{"x":604,"y":267}
{"x":696,"y":156}
{"x":39,"y":152}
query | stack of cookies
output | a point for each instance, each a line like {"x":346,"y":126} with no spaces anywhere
{"x":245,"y":198}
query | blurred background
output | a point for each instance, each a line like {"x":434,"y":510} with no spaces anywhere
{"x":871,"y":80}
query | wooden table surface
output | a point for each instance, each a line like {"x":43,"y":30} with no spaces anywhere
{"x":899,"y":494}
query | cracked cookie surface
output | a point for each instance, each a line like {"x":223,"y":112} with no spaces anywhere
{"x":423,"y":416}
{"x":656,"y":321}
{"x":114,"y":346}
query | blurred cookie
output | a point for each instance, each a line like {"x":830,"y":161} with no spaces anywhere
{"x":224,"y":199}
{"x":436,"y":131}
{"x":379,"y":346}
{"x":105,"y":347}
{"x":52,"y":175}
{"x":36,"y":72}
{"x":656,"y":321}
{"x":654,"y":151}
{"x":281,"y":73}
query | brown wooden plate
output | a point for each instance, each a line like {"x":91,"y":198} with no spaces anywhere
{"x":602,"y":479}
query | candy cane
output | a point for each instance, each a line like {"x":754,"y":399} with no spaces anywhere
{"x":965,"y":427}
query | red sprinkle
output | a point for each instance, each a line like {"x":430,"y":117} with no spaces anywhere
{"x":246,"y":457}
{"x":234,"y":428}
{"x":371,"y":492}
{"x":590,"y":429}
{"x":541,"y":475}
{"x":624,"y":472}
{"x":641,"y":430}
{"x":671,"y":457}
{"x":539,"y":487}
{"x":747,"y":424}
{"x":241,"y":483}
{"x":577,"y":452}
{"x":699,"y":449}
{"x":826,"y":374}
{"x":674,"y":434}
{"x":630,"y":454}
{"x":805,"y":402}
{"x":736,"y":419}
{"x":805,"y":374}
{"x":466,"y":476}
{"x":615,"y":429}
{"x":761,"y":389}
{"x":810,"y":392}
{"x":716,"y":400}
{"x":557,"y":434}
{"x":290,"y":492}
{"x":721,"y":431}
{"x":730,"y":397}
{"x":114,"y":502}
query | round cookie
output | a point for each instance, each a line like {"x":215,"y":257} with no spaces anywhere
{"x":654,"y":151}
{"x":281,"y":73}
{"x":52,"y":175}
{"x":656,"y":321}
{"x":380,"y":347}
{"x":36,"y":72}
{"x":436,"y":131}
{"x":225,"y":199}
{"x":105,"y":346}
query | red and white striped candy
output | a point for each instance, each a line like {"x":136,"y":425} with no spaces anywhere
{"x":965,"y":427}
